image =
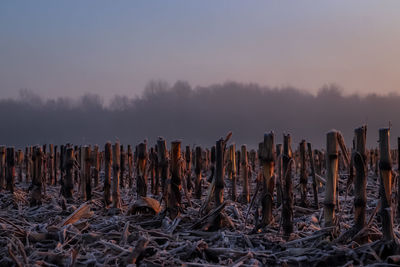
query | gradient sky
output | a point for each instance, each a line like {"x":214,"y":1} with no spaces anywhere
{"x":68,"y":48}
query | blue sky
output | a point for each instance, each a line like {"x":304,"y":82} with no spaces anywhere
{"x":68,"y":48}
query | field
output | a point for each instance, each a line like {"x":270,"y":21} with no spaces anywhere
{"x":153,"y":205}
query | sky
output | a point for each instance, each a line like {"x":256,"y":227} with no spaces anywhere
{"x":69,"y":48}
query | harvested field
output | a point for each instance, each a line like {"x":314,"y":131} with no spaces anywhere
{"x":226,"y":205}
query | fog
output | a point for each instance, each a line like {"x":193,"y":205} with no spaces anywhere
{"x":198,"y":115}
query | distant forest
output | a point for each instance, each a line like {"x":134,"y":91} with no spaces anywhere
{"x":198,"y":115}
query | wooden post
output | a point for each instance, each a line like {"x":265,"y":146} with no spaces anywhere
{"x":62,"y":163}
{"x":314,"y":179}
{"x":82,"y":183}
{"x":2,"y":166}
{"x":238,"y":162}
{"x":67,"y":183}
{"x":360,"y":183}
{"x":38,"y":176}
{"x":157,"y":170}
{"x":279,"y":183}
{"x":141,"y":178}
{"x":385,"y":191}
{"x":228,"y":162}
{"x":55,"y":165}
{"x":44,"y":167}
{"x":219,"y":178}
{"x":332,"y":154}
{"x":20,"y":160}
{"x":31,"y":161}
{"x":122,"y":180}
{"x":267,"y":158}
{"x":130,"y":166}
{"x":96,"y":165}
{"x":10,"y":173}
{"x":163,"y":163}
{"x":27,"y":164}
{"x":174,"y":200}
{"x":152,"y":169}
{"x":87,"y":174}
{"x":78,"y":157}
{"x":287,"y":200}
{"x":303,"y":174}
{"x":232,"y":160}
{"x":108,"y":158}
{"x":188,"y":158}
{"x":50,"y":164}
{"x":135,"y":160}
{"x":197,"y":170}
{"x":116,"y":198}
{"x":398,"y":177}
{"x":376,"y":157}
{"x":245,"y":175}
